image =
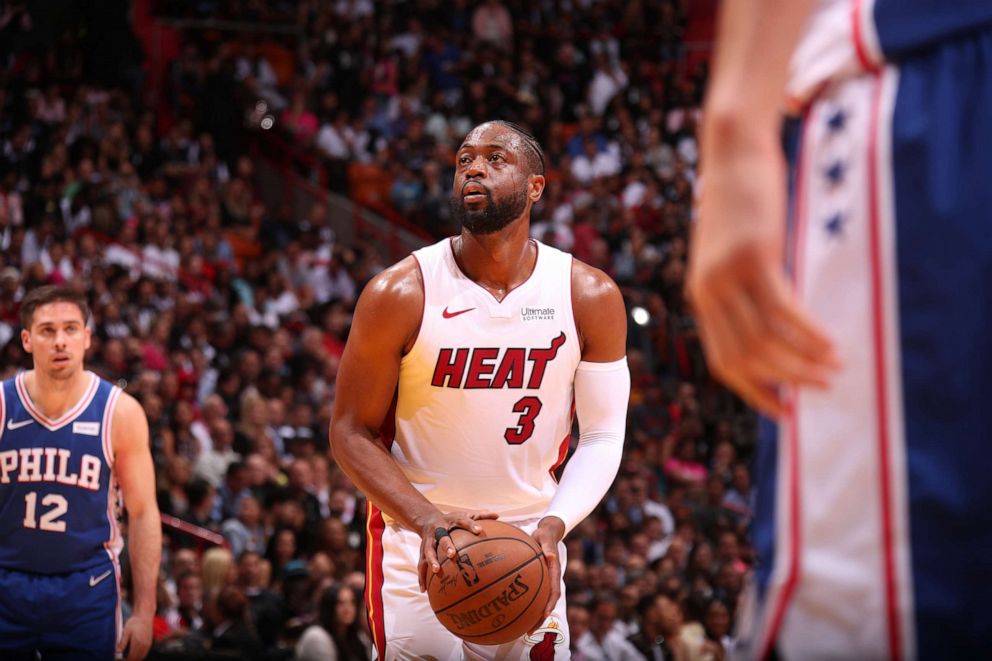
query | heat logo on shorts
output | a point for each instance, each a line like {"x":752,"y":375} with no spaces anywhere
{"x":545,"y":640}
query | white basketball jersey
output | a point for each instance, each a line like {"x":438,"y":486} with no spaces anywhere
{"x":484,"y":408}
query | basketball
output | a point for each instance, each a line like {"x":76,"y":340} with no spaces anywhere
{"x":496,"y":587}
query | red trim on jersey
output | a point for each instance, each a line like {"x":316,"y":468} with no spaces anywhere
{"x":795,"y":532}
{"x":858,"y":36}
{"x":374,"y":581}
{"x":881,"y":386}
{"x":533,"y":270}
{"x":108,"y":424}
{"x":45,"y":421}
{"x":563,"y":446}
{"x":373,"y":553}
{"x":562,"y":453}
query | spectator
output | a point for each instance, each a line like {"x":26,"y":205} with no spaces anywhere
{"x":188,"y":616}
{"x":491,"y":22}
{"x":246,"y":532}
{"x":218,"y":570}
{"x":266,"y":607}
{"x":212,"y":464}
{"x":233,"y":632}
{"x":336,"y":634}
{"x":602,"y":641}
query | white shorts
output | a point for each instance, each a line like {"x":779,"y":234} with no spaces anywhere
{"x":400,"y":616}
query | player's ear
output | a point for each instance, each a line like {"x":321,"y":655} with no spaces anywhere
{"x":26,"y":340}
{"x":88,"y":337}
{"x":535,"y":187}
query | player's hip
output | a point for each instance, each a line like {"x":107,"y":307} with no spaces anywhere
{"x":877,"y":522}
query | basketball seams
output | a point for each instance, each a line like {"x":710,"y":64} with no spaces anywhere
{"x":490,"y":584}
{"x":522,"y":612}
{"x":480,"y":541}
{"x":494,"y":603}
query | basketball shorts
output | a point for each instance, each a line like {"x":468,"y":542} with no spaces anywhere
{"x":874,"y":525}
{"x":63,"y":616}
{"x":403,"y":624}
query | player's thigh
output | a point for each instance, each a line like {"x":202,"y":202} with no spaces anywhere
{"x":411,"y":628}
{"x":82,"y":621}
{"x":19,"y":610}
{"x":548,"y":642}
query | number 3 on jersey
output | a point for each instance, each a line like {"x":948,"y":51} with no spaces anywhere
{"x":49,"y":520}
{"x":528,"y":408}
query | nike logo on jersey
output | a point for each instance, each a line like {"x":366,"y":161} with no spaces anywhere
{"x":96,"y":579}
{"x":11,"y":425}
{"x":449,"y":315}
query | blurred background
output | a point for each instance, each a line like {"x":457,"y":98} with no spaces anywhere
{"x":222,"y":177}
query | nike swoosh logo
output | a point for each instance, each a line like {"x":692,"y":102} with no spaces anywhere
{"x":449,"y":315}
{"x":96,"y":579}
{"x":11,"y":425}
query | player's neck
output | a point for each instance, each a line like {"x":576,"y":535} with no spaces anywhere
{"x":55,"y":396}
{"x":499,"y":262}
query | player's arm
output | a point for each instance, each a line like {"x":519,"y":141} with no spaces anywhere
{"x":755,"y":334}
{"x":384,"y":327}
{"x":136,"y":476}
{"x":602,"y":388}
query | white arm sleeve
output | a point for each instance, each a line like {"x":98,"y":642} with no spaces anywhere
{"x":601,"y":394}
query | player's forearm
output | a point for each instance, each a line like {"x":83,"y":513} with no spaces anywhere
{"x":602,"y":392}
{"x":145,"y":553}
{"x":755,"y":41}
{"x":373,"y":470}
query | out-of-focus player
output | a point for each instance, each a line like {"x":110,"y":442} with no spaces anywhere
{"x":873,"y":525}
{"x":473,"y":354}
{"x":70,"y":445}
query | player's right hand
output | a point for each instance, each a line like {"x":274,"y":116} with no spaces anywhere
{"x":432,"y":549}
{"x":756,"y":334}
{"x":136,"y":639}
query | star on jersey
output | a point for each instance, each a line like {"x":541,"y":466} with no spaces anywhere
{"x":835,"y":225}
{"x":835,"y":173}
{"x":837,"y":120}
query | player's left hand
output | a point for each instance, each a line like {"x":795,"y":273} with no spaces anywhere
{"x":136,"y":639}
{"x":548,"y":533}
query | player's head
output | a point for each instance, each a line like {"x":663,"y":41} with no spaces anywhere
{"x":499,"y":175}
{"x":55,"y":331}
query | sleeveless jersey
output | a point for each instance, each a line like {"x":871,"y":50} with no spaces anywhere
{"x":484,"y":405}
{"x":58,"y":496}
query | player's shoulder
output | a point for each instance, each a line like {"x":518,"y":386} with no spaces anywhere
{"x":600,"y":314}
{"x":591,"y":285}
{"x":128,"y":410}
{"x":399,"y":282}
{"x":391,"y":305}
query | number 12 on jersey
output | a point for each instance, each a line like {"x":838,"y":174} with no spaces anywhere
{"x":528,"y":407}
{"x":50,"y":519}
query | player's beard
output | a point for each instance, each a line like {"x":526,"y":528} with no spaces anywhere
{"x":492,"y":217}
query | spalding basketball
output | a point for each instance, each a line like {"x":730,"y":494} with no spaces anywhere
{"x":495,"y":588}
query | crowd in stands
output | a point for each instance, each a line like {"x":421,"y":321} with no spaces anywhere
{"x":226,"y":318}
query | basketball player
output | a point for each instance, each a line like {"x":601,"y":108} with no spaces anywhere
{"x":471,"y":354}
{"x":68,"y":441}
{"x":873,"y":527}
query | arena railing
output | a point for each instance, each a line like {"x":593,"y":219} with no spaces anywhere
{"x":202,"y":536}
{"x":300,"y":177}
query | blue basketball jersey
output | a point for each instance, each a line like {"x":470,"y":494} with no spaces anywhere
{"x":58,"y":498}
{"x":906,"y":26}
